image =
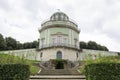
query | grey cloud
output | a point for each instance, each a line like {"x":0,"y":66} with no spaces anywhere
{"x":4,"y":5}
{"x":92,"y":16}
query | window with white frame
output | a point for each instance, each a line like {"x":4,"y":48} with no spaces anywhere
{"x":42,"y":41}
{"x":75,"y":41}
{"x":59,"y":39}
{"x":64,"y":40}
{"x":54,"y":40}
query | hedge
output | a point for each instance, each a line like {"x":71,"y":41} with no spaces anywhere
{"x":14,"y":72}
{"x":102,"y":71}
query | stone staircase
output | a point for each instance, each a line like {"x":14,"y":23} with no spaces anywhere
{"x":59,"y":72}
{"x":67,"y":64}
{"x":49,"y":72}
{"x":58,"y":77}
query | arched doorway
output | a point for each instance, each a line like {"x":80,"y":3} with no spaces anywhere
{"x":59,"y":65}
{"x":59,"y":55}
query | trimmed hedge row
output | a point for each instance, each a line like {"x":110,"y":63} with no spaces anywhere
{"x":102,"y":71}
{"x":14,"y":72}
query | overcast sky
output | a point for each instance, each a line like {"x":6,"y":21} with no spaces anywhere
{"x":99,"y":20}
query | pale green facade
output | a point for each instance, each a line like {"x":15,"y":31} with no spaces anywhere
{"x":59,"y":38}
{"x":70,"y":35}
{"x":59,"y":31}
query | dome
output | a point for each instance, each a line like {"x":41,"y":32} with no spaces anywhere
{"x":59,"y":16}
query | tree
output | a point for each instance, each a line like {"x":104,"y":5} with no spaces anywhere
{"x":19,"y":45}
{"x":92,"y":45}
{"x":105,"y":48}
{"x":82,"y":44}
{"x":35,"y":44}
{"x":11,"y":43}
{"x":2,"y":43}
{"x":27,"y":45}
{"x":99,"y":47}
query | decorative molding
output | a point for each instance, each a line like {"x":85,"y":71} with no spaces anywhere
{"x":61,"y":24}
{"x":59,"y":33}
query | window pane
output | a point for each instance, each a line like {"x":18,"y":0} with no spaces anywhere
{"x":59,"y":55}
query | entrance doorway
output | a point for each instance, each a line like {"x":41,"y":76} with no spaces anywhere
{"x":59,"y":65}
{"x":59,"y":55}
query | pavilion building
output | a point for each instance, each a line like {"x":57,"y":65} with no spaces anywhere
{"x":59,"y":38}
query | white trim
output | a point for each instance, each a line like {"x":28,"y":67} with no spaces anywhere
{"x":39,"y":40}
{"x":69,"y":36}
{"x":46,"y":36}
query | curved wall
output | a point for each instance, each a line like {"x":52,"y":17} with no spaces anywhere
{"x":67,"y":54}
{"x":72,"y":37}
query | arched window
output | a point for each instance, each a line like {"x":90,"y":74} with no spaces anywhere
{"x":59,"y":55}
{"x":77,"y":55}
{"x":41,"y":54}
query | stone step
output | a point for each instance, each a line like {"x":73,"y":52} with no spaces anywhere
{"x":59,"y":72}
{"x":58,"y":77}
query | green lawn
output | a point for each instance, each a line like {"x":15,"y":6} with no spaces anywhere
{"x":10,"y":59}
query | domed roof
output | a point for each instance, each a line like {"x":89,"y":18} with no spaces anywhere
{"x":59,"y":16}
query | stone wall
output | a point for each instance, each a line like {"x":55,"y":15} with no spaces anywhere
{"x":31,"y":54}
{"x":69,"y":54}
{"x":94,"y":54}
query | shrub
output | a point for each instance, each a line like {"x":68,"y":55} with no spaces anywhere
{"x":11,"y":59}
{"x":100,"y":59}
{"x":14,"y":72}
{"x":102,"y":71}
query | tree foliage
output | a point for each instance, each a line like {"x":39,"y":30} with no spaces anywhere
{"x":10,"y":43}
{"x":33,"y":44}
{"x":2,"y":43}
{"x":92,"y":45}
{"x":102,"y":71}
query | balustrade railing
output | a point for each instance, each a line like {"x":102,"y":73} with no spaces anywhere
{"x":69,"y":23}
{"x":58,"y":44}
